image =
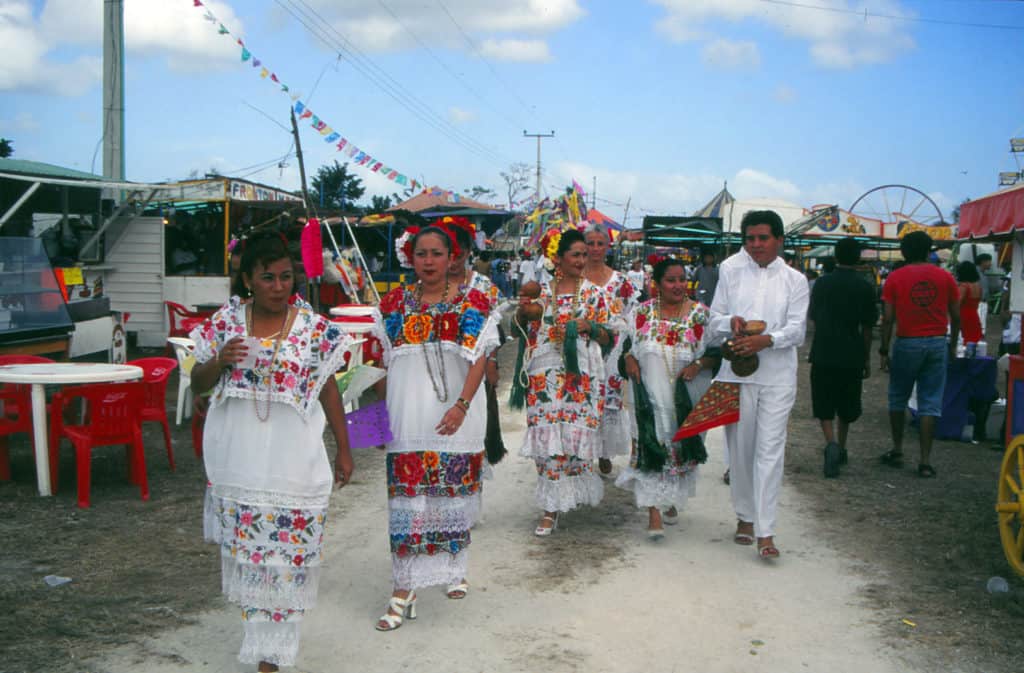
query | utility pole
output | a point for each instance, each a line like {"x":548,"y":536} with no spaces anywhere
{"x":593,"y":195}
{"x":625,"y":215}
{"x":302,"y":166}
{"x":113,"y":90}
{"x":538,"y":136}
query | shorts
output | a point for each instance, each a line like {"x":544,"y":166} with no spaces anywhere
{"x":920,"y":360}
{"x":835,"y":391}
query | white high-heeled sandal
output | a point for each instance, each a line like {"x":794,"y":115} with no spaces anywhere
{"x":670,"y":519}
{"x":541,"y":531}
{"x":457,"y":592}
{"x":398,"y":610}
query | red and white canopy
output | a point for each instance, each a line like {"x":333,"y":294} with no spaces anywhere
{"x":998,"y":213}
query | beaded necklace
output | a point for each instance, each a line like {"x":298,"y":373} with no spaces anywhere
{"x":440,"y":388}
{"x":265,"y":415}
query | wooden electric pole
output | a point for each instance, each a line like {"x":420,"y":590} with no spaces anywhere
{"x":538,"y":136}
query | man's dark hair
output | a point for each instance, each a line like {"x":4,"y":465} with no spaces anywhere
{"x":983,"y":257}
{"x":848,"y":252}
{"x":966,"y":272}
{"x":752,"y":218}
{"x":915,"y":247}
{"x":828,"y":265}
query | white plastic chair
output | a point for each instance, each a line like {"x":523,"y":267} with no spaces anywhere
{"x":183,"y":348}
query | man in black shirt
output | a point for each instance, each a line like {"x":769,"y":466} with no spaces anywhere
{"x":844,"y":312}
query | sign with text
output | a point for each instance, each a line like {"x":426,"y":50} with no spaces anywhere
{"x":247,"y":191}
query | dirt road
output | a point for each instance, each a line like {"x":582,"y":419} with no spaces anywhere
{"x":596,"y":596}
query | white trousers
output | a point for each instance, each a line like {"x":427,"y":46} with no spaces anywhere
{"x":757,"y":451}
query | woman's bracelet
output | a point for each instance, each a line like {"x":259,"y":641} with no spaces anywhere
{"x":461,"y":403}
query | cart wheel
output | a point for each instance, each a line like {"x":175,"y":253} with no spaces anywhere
{"x":1010,"y":504}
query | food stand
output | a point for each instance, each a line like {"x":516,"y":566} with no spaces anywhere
{"x":999,"y":217}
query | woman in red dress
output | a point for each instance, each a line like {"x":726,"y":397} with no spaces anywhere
{"x":969,"y":282}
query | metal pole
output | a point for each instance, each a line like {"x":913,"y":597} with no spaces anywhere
{"x":538,"y":136}
{"x":113,"y":92}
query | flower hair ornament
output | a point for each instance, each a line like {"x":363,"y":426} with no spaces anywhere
{"x":403,"y":246}
{"x":450,"y":221}
{"x":549,"y":243}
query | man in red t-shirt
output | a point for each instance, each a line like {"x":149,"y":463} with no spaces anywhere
{"x":924,"y":301}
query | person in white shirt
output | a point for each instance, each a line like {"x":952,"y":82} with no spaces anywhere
{"x":637,"y":278}
{"x":756,"y":284}
{"x":527,"y":271}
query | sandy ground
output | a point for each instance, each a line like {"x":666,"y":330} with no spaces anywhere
{"x":596,"y":596}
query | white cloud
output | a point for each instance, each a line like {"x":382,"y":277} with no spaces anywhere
{"x":23,"y":121}
{"x":756,"y":183}
{"x":494,"y":26}
{"x":729,"y":55}
{"x":457,"y":115}
{"x":523,"y":51}
{"x":836,"y":35}
{"x":176,"y":30}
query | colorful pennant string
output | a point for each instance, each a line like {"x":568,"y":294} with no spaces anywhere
{"x":360,"y":157}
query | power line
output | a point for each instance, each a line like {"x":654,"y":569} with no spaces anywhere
{"x":313,"y":22}
{"x":894,"y":17}
{"x":282,"y":126}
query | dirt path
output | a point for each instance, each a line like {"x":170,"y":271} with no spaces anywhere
{"x":596,"y":596}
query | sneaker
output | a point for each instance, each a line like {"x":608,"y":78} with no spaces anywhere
{"x":832,"y":453}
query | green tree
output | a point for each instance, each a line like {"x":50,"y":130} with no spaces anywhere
{"x":378,"y":204}
{"x":6,"y":147}
{"x":333,"y":187}
{"x":956,"y":211}
{"x":478,"y":192}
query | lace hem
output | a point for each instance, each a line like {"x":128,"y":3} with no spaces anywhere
{"x":562,"y":439}
{"x":212,"y":531}
{"x":268,"y":586}
{"x":417,"y":572}
{"x":273,"y":642}
{"x":659,"y":490}
{"x":426,"y":514}
{"x":616,"y":437}
{"x":569,"y":492}
{"x":261,"y":498}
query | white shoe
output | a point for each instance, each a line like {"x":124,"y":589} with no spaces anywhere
{"x":542,"y":531}
{"x":398,"y":610}
{"x":670,"y":519}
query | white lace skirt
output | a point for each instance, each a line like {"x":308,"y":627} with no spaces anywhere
{"x":659,"y":489}
{"x":266,"y":506}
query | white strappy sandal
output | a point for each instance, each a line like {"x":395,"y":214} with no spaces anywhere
{"x":457,"y":592}
{"x":398,"y":610}
{"x":541,"y":531}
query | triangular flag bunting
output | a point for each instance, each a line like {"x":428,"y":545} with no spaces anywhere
{"x":264,"y":72}
{"x":222,"y":30}
{"x":197,"y":3}
{"x":274,"y":78}
{"x":331,"y":138}
{"x":307,"y":113}
{"x":210,"y":17}
{"x":296,"y":96}
{"x":342,"y":143}
{"x":245,"y":54}
{"x":299,"y":107}
{"x":256,"y":63}
{"x":240,"y":43}
{"x":284,"y":87}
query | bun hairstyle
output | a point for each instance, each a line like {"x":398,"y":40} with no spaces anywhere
{"x":261,"y":248}
{"x":662,"y":267}
{"x":565,"y":242}
{"x":444,"y":234}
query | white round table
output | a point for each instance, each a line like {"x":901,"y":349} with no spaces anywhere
{"x":38,"y":376}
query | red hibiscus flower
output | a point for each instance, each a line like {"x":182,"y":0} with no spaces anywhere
{"x":297,"y":559}
{"x":300,"y":522}
{"x":626,"y":290}
{"x":409,"y":469}
{"x":698,"y":331}
{"x":478,"y":301}
{"x":672,"y":338}
{"x":641,"y":319}
{"x":391,"y":301}
{"x":447,"y":326}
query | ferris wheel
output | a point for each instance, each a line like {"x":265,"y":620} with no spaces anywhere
{"x":894,"y":205}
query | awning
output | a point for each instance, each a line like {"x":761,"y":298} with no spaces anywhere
{"x":998,"y":213}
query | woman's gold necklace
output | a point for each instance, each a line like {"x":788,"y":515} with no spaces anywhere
{"x":440,"y":389}
{"x":270,"y":370}
{"x":575,"y":302}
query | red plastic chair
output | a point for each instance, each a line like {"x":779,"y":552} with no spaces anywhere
{"x":155,"y":372}
{"x":16,"y":416}
{"x":111,"y":416}
{"x":180,"y":320}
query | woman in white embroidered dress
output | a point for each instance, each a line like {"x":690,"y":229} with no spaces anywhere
{"x":271,"y":366}
{"x":622,"y":299}
{"x":435,"y":337}
{"x":564,"y":391}
{"x":668,"y":342}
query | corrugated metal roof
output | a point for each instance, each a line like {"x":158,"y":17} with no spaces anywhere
{"x":45,"y":170}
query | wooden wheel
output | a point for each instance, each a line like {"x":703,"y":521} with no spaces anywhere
{"x":1010,"y":504}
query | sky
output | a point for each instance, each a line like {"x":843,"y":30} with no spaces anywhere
{"x":660,"y":101}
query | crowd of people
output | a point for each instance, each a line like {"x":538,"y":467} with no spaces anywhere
{"x":610,"y":363}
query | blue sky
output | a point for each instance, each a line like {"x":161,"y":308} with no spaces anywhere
{"x":661,"y":100}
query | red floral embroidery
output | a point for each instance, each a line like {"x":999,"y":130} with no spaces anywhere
{"x":626,"y":290}
{"x":641,"y":320}
{"x":409,"y":469}
{"x":698,"y":331}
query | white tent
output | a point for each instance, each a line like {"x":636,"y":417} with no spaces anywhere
{"x":732,"y":213}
